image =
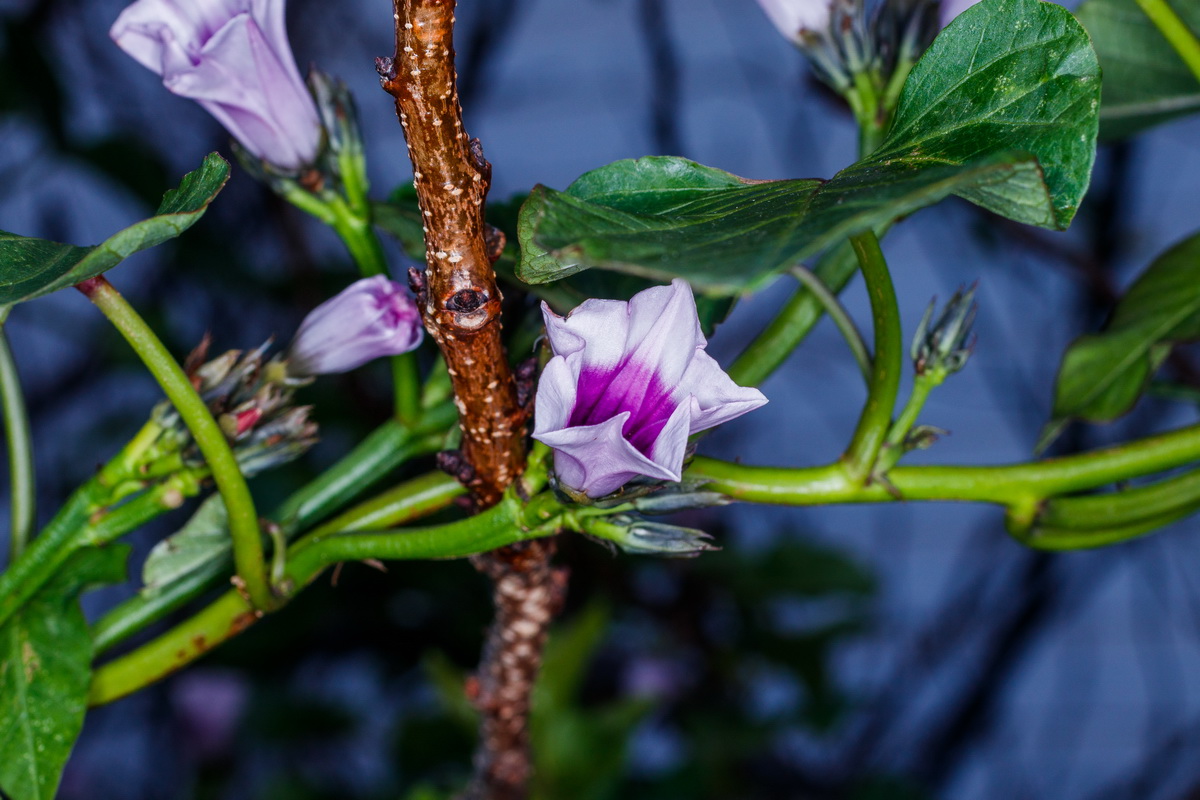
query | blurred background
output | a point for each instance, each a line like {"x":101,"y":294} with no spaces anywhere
{"x":904,"y":651}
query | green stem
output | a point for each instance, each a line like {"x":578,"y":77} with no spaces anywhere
{"x":243,"y":519}
{"x":1020,"y":487}
{"x":794,"y":321}
{"x":884,"y":384}
{"x":163,"y":497}
{"x":1175,"y":30}
{"x":897,"y":437}
{"x":22,"y":474}
{"x":410,"y":500}
{"x":1050,"y":538}
{"x":48,"y":551}
{"x":841,"y":318}
{"x":503,"y":524}
{"x":1125,"y":506}
{"x":352,"y":222}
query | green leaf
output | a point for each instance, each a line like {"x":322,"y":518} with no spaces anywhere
{"x":31,"y":267}
{"x":45,"y":669}
{"x":1001,"y":110}
{"x":1145,"y":80}
{"x":400,"y":216}
{"x":1103,"y":375}
{"x":202,"y":540}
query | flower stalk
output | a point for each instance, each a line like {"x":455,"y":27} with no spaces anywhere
{"x":876,"y":418}
{"x":22,"y":474}
{"x":210,"y":439}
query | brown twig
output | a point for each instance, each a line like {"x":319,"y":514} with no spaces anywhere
{"x":461,"y":308}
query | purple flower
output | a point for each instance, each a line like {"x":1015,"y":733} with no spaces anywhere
{"x":233,"y":58}
{"x":628,"y":384}
{"x":792,"y":17}
{"x":370,"y":318}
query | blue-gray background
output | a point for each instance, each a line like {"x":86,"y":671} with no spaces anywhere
{"x":966,"y":667}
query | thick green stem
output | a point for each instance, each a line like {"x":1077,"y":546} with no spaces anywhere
{"x":841,"y":318}
{"x":1125,"y":506}
{"x":1020,"y":487}
{"x":22,"y":475}
{"x":884,"y":385}
{"x":503,"y":524}
{"x":1176,"y":31}
{"x":243,"y":519}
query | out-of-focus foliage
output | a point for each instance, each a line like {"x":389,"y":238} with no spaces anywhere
{"x":1145,"y":80}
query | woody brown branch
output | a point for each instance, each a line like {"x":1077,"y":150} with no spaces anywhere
{"x":461,"y":310}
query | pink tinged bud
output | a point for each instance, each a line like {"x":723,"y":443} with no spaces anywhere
{"x":792,"y":17}
{"x":233,"y":58}
{"x":628,"y":383}
{"x":370,"y":318}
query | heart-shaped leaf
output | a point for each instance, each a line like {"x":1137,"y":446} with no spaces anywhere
{"x":1001,"y":110}
{"x":1103,"y":375}
{"x":1145,"y":80}
{"x":31,"y":267}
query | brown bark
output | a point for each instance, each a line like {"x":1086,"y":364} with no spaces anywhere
{"x":461,"y":310}
{"x":461,"y":306}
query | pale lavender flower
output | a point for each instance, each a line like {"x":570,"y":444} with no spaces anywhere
{"x":792,"y":17}
{"x":628,"y":383}
{"x":233,"y":58}
{"x":370,"y":318}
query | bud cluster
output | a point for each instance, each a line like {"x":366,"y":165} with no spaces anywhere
{"x":251,"y":399}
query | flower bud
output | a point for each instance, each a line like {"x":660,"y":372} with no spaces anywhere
{"x":251,"y":400}
{"x":639,"y":537}
{"x":943,"y":347}
{"x":233,"y":58}
{"x":370,"y":318}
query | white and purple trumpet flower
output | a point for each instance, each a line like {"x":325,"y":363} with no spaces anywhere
{"x":628,"y":384}
{"x":369,"y":319}
{"x":233,"y":58}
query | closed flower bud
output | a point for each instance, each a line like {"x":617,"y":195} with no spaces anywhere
{"x":639,"y":537}
{"x":233,"y":58}
{"x":628,"y":384}
{"x":370,"y":318}
{"x":251,"y":399}
{"x":941,"y":347}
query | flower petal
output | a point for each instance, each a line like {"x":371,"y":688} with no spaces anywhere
{"x":716,"y":397}
{"x":597,"y":460}
{"x":555,"y":395}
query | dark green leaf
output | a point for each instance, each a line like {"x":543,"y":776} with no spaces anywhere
{"x":45,"y":669}
{"x":30,"y":267}
{"x":1145,"y":80}
{"x":202,"y":540}
{"x":1103,"y":375}
{"x":1001,"y":110}
{"x":400,"y":217}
